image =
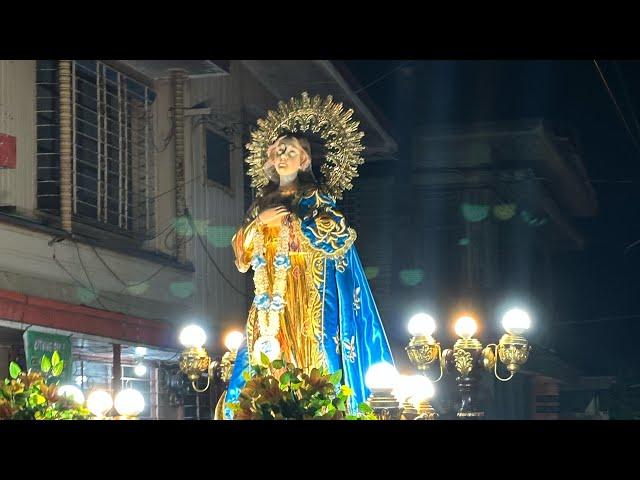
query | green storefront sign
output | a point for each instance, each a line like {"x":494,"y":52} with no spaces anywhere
{"x":37,"y":344}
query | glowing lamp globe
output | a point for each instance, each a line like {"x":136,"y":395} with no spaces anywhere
{"x":465,"y":327}
{"x":403,"y":389}
{"x":129,"y":402}
{"x":516,"y":321}
{"x":99,"y":402}
{"x":233,"y":340}
{"x":141,"y":351}
{"x":193,"y":336}
{"x":140,"y":370}
{"x":421,"y":389}
{"x":381,"y":376}
{"x":422,"y":324}
{"x":72,"y":392}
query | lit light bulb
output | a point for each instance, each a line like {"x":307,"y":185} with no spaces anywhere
{"x":99,"y":402}
{"x":141,"y":351}
{"x":193,"y":336}
{"x":466,"y":327}
{"x":129,"y":402}
{"x":402,"y":389}
{"x":421,"y":389}
{"x":381,"y":376}
{"x":422,"y":324}
{"x":267,"y":345}
{"x":72,"y":392}
{"x":140,"y":370}
{"x":516,"y":321}
{"x":233,"y":340}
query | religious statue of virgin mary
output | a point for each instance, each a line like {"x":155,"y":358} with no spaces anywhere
{"x":312,"y":305}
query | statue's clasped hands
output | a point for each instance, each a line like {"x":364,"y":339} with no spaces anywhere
{"x":273,"y":216}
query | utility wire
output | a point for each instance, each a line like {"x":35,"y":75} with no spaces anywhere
{"x":86,"y":273}
{"x":206,"y":250}
{"x":150,"y":199}
{"x":627,"y":96}
{"x":597,"y":320}
{"x":618,"y":110}
{"x":383,"y":76}
{"x":125,"y":284}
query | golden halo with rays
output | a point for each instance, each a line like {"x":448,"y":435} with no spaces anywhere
{"x":340,"y":134}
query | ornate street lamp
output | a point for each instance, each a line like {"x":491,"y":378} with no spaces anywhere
{"x":195,"y":361}
{"x":468,"y":357}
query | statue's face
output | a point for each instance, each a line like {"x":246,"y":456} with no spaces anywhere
{"x":288,"y":157}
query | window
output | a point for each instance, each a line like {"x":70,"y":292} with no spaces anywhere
{"x":218,"y":159}
{"x":112,"y":164}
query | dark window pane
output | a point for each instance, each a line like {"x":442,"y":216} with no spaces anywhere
{"x":86,"y":210}
{"x":48,"y":160}
{"x":48,"y":188}
{"x":218,"y":161}
{"x":85,"y":65}
{"x":87,"y":182}
{"x":48,"y":174}
{"x":47,"y":76}
{"x":47,"y":131}
{"x":47,"y":146}
{"x":47,"y":90}
{"x":86,"y":128}
{"x":47,"y":104}
{"x":86,"y":142}
{"x":47,"y":117}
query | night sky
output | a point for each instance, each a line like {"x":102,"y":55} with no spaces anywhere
{"x":597,"y":297}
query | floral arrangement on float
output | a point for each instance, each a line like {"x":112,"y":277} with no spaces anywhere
{"x":280,"y":391}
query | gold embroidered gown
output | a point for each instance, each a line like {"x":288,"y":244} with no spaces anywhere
{"x":300,"y":320}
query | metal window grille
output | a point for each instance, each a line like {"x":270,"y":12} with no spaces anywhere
{"x":113,"y":168}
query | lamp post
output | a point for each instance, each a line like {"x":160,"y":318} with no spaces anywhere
{"x":468,"y":357}
{"x":195,"y":361}
{"x":423,"y":391}
{"x":381,"y":378}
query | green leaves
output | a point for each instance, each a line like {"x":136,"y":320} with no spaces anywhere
{"x":336,"y":377}
{"x":14,"y":370}
{"x":264,"y":360}
{"x":34,"y":395}
{"x":365,"y":408}
{"x":57,"y":368}
{"x":45,"y":364}
{"x":285,"y":378}
{"x":280,"y":390}
{"x":36,"y":399}
{"x":55,"y":365}
{"x":55,"y":359}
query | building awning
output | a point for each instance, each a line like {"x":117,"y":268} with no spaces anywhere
{"x":159,"y":69}
{"x":38,"y":311}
